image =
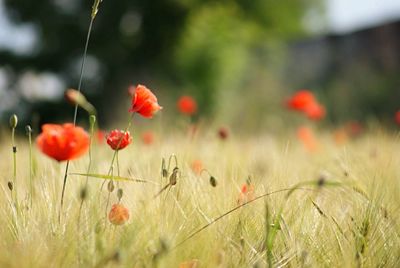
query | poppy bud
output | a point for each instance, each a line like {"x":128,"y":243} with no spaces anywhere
{"x":172,"y":178}
{"x":213,"y":181}
{"x":223,"y":133}
{"x":28,"y":129}
{"x":120,"y":193}
{"x":92,"y":119}
{"x":13,"y":121}
{"x":110,"y":186}
{"x":10,"y":185}
{"x":321,"y":181}
{"x":75,"y":97}
{"x":83,"y":193}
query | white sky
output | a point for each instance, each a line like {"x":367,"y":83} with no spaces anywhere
{"x":343,"y":16}
{"x":349,"y":15}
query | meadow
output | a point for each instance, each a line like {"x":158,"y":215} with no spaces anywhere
{"x":337,"y":206}
{"x":194,"y":194}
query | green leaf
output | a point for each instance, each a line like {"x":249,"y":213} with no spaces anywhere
{"x":108,"y":177}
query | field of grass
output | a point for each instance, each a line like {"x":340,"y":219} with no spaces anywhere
{"x":337,"y":207}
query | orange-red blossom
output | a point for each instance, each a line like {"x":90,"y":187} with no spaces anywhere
{"x":63,"y":142}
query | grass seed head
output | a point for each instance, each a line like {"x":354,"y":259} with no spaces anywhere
{"x":10,"y":185}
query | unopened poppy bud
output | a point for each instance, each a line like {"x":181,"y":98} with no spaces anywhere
{"x":28,"y":129}
{"x":120,"y":193}
{"x":13,"y":121}
{"x":92,"y":119}
{"x":321,"y":181}
{"x":172,"y":178}
{"x":83,"y":193}
{"x":10,"y":185}
{"x":223,"y":133}
{"x":213,"y":181}
{"x":110,"y":186}
{"x":75,"y":97}
{"x":117,"y":256}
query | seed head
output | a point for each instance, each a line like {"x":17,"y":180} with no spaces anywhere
{"x":13,"y":121}
{"x":110,"y":186}
{"x":10,"y":185}
{"x":120,"y":193}
{"x":213,"y":181}
{"x":83,"y":193}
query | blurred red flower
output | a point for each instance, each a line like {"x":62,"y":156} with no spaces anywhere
{"x":306,"y":136}
{"x":223,"y":133}
{"x":144,"y":102}
{"x":197,"y":166}
{"x":354,"y":129}
{"x":397,"y":117}
{"x":118,"y":139}
{"x":187,"y":105}
{"x":63,"y":142}
{"x":305,"y":102}
{"x":301,"y":100}
{"x":315,"y":111}
{"x":148,"y":137}
{"x":118,"y":214}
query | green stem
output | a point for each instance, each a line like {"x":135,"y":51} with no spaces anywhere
{"x":30,"y":168}
{"x":116,"y":151}
{"x":14,"y":148}
{"x":76,"y":107}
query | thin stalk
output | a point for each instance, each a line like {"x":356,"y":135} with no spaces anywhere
{"x":233,"y":210}
{"x":29,"y":130}
{"x":14,"y":149}
{"x":76,"y":105}
{"x":116,"y":151}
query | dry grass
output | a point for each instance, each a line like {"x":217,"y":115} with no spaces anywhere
{"x":353,"y":224}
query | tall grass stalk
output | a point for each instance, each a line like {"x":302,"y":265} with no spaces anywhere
{"x":95,"y":9}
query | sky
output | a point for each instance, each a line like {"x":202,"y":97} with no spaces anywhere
{"x":349,"y":15}
{"x":343,"y":16}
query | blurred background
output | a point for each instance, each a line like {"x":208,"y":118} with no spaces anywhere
{"x":239,"y":59}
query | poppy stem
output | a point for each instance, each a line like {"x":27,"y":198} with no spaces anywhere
{"x":29,"y":133}
{"x":93,"y":15}
{"x":14,"y":147}
{"x":116,"y":151}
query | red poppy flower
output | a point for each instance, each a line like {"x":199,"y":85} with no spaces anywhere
{"x":63,"y":142}
{"x":118,"y":214}
{"x":300,"y":100}
{"x":197,"y":166}
{"x":118,"y":139}
{"x":314,"y":111}
{"x":187,"y":105}
{"x":397,"y":117}
{"x":144,"y":102}
{"x":148,"y":137}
